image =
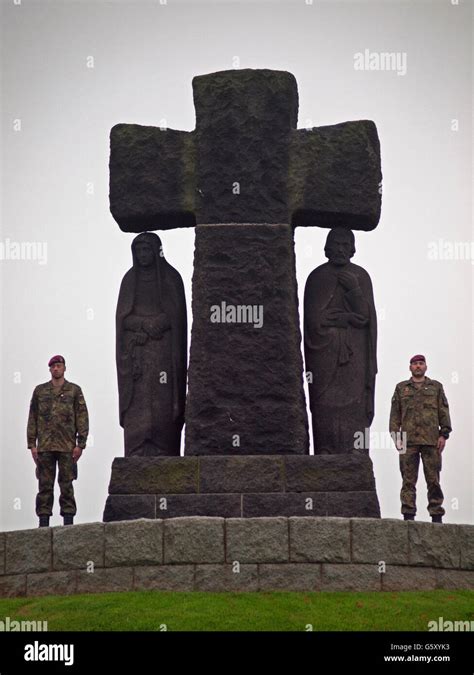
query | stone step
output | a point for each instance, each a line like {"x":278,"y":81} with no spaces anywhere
{"x":244,"y":474}
{"x":362,"y":504}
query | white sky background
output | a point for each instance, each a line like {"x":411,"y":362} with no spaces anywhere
{"x":145,"y":56}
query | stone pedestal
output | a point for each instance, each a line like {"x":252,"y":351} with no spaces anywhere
{"x":274,"y":554}
{"x":245,"y":372}
{"x":242,"y":487}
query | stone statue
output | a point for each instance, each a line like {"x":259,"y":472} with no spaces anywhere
{"x":151,"y":352}
{"x":340,"y":339}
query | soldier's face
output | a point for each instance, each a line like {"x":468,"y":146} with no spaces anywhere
{"x":418,"y":368}
{"x":57,"y":370}
{"x":144,"y":254}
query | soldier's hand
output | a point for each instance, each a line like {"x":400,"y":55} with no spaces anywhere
{"x":34,"y":454}
{"x":441,"y":443}
{"x":398,"y":441}
{"x":76,"y":453}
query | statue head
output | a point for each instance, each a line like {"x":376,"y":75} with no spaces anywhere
{"x":340,"y":246}
{"x":146,"y":249}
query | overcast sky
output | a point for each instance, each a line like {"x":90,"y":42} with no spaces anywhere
{"x":71,"y":70}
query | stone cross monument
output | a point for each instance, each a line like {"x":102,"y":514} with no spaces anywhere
{"x":245,"y":177}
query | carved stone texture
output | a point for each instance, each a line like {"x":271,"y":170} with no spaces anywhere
{"x":245,"y":162}
{"x":243,"y":486}
{"x":245,"y":371}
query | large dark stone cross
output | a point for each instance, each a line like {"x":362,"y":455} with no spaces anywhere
{"x":245,"y":177}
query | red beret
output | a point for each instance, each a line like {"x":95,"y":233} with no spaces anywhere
{"x":56,"y":359}
{"x":417,"y":357}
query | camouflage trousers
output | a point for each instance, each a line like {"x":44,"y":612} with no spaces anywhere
{"x":409,"y":464}
{"x":46,"y":475}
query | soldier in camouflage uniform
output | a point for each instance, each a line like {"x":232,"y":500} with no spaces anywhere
{"x":58,"y":425}
{"x":420,"y":415}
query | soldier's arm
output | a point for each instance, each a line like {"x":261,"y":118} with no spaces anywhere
{"x":32,"y":426}
{"x":82,"y":419}
{"x":443,"y":414}
{"x":395,"y":416}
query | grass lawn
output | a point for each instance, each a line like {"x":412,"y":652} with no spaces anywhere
{"x":279,"y":611}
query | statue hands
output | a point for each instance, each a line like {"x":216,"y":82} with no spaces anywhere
{"x":140,"y":338}
{"x":348,"y":280}
{"x":152,"y":328}
{"x":156,"y":326}
{"x":163,"y":321}
{"x":336,"y":318}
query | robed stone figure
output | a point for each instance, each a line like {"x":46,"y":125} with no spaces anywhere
{"x":340,"y":341}
{"x":151,"y":352}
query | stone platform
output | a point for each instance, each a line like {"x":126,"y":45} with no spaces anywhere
{"x":242,"y":487}
{"x":237,"y":554}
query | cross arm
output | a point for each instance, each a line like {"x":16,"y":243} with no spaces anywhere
{"x":152,"y":184}
{"x":335,"y":176}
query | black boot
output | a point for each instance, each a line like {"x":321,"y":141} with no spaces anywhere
{"x":44,"y":521}
{"x":436,"y":519}
{"x":408,"y":516}
{"x":68,"y":519}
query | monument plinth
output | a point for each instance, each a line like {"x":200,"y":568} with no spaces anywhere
{"x":242,"y":487}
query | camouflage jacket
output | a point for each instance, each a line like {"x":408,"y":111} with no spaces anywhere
{"x":58,"y":418}
{"x":423,"y":413}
